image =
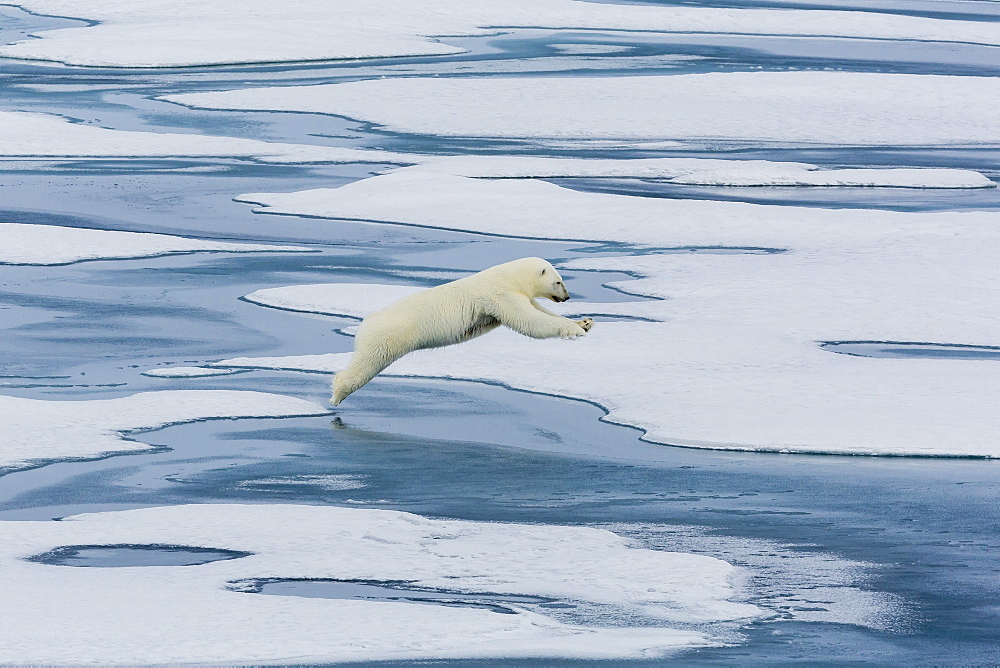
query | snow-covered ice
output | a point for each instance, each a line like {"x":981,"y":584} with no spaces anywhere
{"x":732,"y":357}
{"x":22,"y":243}
{"x":176,"y":33}
{"x":28,"y":134}
{"x":35,"y":430}
{"x":541,"y":210}
{"x":830,"y":108}
{"x":197,"y":614}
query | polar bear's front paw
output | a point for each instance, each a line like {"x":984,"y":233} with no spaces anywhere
{"x":572,"y":331}
{"x":586,"y":323}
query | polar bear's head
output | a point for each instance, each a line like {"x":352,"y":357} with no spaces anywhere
{"x":550,"y":284}
{"x":536,"y":278}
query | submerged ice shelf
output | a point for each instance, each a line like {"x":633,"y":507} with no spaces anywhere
{"x":701,"y":171}
{"x":187,"y":372}
{"x":35,"y":135}
{"x":910,"y":350}
{"x":392,"y":591}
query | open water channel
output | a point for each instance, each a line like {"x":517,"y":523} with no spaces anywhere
{"x":862,"y":560}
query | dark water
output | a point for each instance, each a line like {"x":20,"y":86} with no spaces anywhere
{"x":887,"y":561}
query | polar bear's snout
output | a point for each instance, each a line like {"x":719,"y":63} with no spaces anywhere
{"x":560,"y":294}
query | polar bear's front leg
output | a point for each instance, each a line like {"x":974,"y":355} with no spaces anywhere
{"x":586,"y":323}
{"x":523,"y":315}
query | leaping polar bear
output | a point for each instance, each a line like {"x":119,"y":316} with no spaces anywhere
{"x":458,"y":311}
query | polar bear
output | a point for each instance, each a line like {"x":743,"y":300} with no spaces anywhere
{"x":458,"y":311}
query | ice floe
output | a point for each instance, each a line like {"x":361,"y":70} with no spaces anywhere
{"x":22,"y":243}
{"x":828,"y":108}
{"x":35,"y":430}
{"x":28,"y":134}
{"x":537,"y":209}
{"x":207,"y":613}
{"x":731,"y":356}
{"x":185,"y":32}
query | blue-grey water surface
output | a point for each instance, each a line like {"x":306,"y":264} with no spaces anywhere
{"x":899,"y":554}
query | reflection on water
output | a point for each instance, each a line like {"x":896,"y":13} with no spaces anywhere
{"x":127,"y":556}
{"x":860,"y":559}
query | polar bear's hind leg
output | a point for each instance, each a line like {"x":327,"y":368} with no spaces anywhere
{"x":366,"y":363}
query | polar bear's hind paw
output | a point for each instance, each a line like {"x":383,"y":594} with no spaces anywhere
{"x":586,"y":323}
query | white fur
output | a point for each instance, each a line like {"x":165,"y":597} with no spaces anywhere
{"x":456,"y":312}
